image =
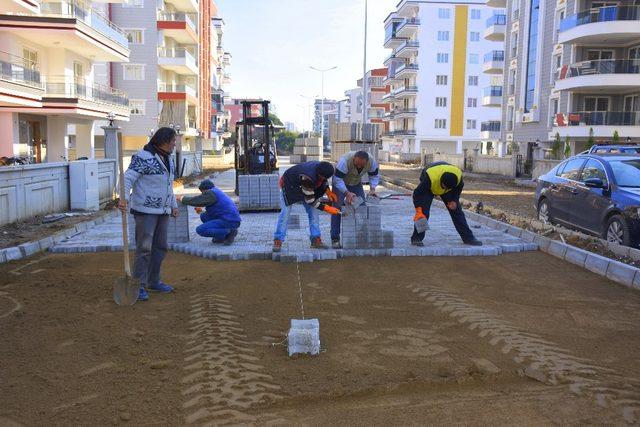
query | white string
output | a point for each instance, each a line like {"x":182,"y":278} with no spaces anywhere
{"x":300,"y":289}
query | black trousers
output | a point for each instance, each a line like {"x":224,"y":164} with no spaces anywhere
{"x":457,"y":216}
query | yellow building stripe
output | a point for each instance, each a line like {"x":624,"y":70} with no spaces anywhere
{"x":459,"y":70}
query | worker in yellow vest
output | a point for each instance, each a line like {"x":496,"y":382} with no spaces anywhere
{"x":443,"y":180}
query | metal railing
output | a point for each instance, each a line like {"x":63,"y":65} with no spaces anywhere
{"x":390,"y":58}
{"x":85,"y":89}
{"x":190,"y":18}
{"x":601,"y":14}
{"x":497,"y":20}
{"x":178,"y":52}
{"x":408,"y":21}
{"x":400,"y":111}
{"x":402,"y":89}
{"x":403,"y":132}
{"x":493,"y":126}
{"x":407,"y":44}
{"x":492,"y":91}
{"x":406,"y":67}
{"x":601,"y":66}
{"x":19,"y":70}
{"x":89,"y":16}
{"x":177,"y":88}
{"x":600,"y":118}
{"x":495,"y":55}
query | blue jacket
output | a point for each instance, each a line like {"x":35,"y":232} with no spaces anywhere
{"x":300,"y":183}
{"x":223,"y":209}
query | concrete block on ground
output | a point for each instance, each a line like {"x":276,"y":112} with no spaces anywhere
{"x":542,"y":242}
{"x":557,"y":249}
{"x":528,"y":236}
{"x":45,"y":243}
{"x":621,"y":273}
{"x":29,"y":248}
{"x":576,"y":256}
{"x":3,"y":257}
{"x":597,"y":264}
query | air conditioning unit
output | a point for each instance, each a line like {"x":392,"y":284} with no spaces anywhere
{"x":83,"y":185}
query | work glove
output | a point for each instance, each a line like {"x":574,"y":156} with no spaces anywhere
{"x":332,"y":196}
{"x":331,"y":210}
{"x":419,"y":215}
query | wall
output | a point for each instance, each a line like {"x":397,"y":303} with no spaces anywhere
{"x":505,"y":166}
{"x":192,"y":165}
{"x":540,"y":167}
{"x":212,"y":161}
{"x":106,"y":180}
{"x":454,"y":159}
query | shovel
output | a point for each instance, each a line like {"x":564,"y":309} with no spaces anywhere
{"x":125,"y":289}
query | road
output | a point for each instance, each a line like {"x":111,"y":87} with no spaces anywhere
{"x":486,"y":341}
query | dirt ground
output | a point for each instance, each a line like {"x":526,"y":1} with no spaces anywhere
{"x":409,"y":341}
{"x":496,"y":191}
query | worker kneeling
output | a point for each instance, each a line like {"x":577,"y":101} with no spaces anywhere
{"x":220,"y":219}
{"x":443,"y":180}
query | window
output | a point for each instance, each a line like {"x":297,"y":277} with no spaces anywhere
{"x":475,"y":14}
{"x":78,"y":70}
{"x":133,"y":3}
{"x":443,"y":36}
{"x":474,"y":36}
{"x":559,"y":17}
{"x":471,"y":124}
{"x":441,"y":80}
{"x":443,"y":58}
{"x":473,"y":58}
{"x":532,"y":56}
{"x":441,"y":124}
{"x":134,"y":36}
{"x":571,"y":169}
{"x":472,"y":102}
{"x":444,"y":13}
{"x":512,"y":82}
{"x":627,"y":172}
{"x":514,"y":44}
{"x":595,"y":55}
{"x":137,"y":107}
{"x":473,"y":80}
{"x":594,"y":169}
{"x":596,"y":103}
{"x":441,"y":101}
{"x":30,"y":59}
{"x":132,"y":72}
{"x":553,"y":111}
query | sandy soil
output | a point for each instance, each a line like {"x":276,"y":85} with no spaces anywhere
{"x":493,"y":191}
{"x":408,"y":341}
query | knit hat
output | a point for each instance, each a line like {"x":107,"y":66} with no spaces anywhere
{"x":325,"y":170}
{"x":448,"y":180}
{"x":206,"y":184}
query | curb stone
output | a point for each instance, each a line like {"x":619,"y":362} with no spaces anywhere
{"x":621,"y":273}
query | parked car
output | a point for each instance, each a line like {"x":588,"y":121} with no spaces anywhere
{"x":596,"y":193}
{"x":614,"y":149}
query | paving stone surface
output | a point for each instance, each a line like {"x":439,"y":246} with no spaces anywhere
{"x":255,"y":236}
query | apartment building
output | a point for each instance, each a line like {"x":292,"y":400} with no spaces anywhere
{"x":220,"y":78}
{"x":331,"y":114}
{"x":439,"y":93}
{"x":353,"y":106}
{"x":49,"y":92}
{"x":573,"y":69}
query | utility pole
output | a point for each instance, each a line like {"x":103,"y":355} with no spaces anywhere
{"x":322,"y":71}
{"x":364,"y":66}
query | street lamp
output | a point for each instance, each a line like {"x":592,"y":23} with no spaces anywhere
{"x":111,"y":117}
{"x":365,"y":83}
{"x":322,"y":71}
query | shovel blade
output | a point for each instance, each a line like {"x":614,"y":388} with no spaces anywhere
{"x":422,"y":225}
{"x":125,"y":291}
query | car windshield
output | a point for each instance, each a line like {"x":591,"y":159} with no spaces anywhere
{"x":627,"y":172}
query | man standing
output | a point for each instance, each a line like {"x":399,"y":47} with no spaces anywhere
{"x":347,"y":184}
{"x":305,"y":183}
{"x":220,"y":219}
{"x":443,"y":180}
{"x":149,"y":179}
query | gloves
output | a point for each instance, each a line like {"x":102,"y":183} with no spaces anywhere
{"x":419,"y":215}
{"x":332,"y":196}
{"x":331,"y":210}
{"x":199,"y":210}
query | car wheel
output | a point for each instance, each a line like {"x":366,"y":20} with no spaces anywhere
{"x":543,"y":212}
{"x":617,"y":231}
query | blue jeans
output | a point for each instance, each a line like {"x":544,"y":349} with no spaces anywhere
{"x":151,"y":247}
{"x":283,"y":220}
{"x":358,"y":190}
{"x":217,"y":228}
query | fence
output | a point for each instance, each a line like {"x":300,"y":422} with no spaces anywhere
{"x":505,"y":166}
{"x":540,"y":167}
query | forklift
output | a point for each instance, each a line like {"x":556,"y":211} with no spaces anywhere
{"x":255,"y":147}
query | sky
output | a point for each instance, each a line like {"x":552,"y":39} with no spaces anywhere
{"x":274,"y":42}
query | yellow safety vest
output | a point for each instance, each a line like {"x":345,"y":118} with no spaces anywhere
{"x":435,"y":175}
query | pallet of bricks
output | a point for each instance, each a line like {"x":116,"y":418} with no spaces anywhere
{"x":259,"y":192}
{"x":177,"y":228}
{"x":346,"y":137}
{"x":306,"y":150}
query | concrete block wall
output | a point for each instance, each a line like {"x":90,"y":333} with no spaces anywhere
{"x":346,"y":132}
{"x":339,"y":149}
{"x":259,"y":191}
{"x":306,"y":150}
{"x":361,"y":228}
{"x":177,"y":230}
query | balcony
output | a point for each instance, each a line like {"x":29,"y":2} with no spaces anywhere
{"x":603,"y":123}
{"x":406,"y":70}
{"x":393,"y":41}
{"x":501,"y":4}
{"x":405,"y":113}
{"x":185,"y":5}
{"x":607,"y":75}
{"x":178,"y":60}
{"x":388,"y":97}
{"x":20,"y":6}
{"x":492,"y":96}
{"x":403,"y":132}
{"x":405,"y":92}
{"x":407,"y":49}
{"x":80,"y":29}
{"x":496,"y":28}
{"x":493,"y":62}
{"x":490,"y":130}
{"x":20,"y":82}
{"x":177,"y":92}
{"x":387,"y":62}
{"x":226,"y":59}
{"x":408,"y":28}
{"x":86,"y":97}
{"x":179,"y":26}
{"x":605,"y":26}
{"x":407,"y":8}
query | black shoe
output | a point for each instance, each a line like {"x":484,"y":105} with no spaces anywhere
{"x":418,"y":243}
{"x":231,"y":237}
{"x":474,"y":242}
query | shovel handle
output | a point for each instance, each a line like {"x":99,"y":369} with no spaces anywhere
{"x":125,"y":228}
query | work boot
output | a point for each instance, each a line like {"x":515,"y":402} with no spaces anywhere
{"x":418,"y":243}
{"x":474,"y":242}
{"x":231,"y":237}
{"x":217,"y":241}
{"x":277,"y":245}
{"x":316,"y":243}
{"x":142,"y":294}
{"x":162,"y":288}
{"x":335,"y":244}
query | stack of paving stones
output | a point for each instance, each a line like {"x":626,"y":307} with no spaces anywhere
{"x":339,"y":149}
{"x":306,"y":150}
{"x":259,"y":192}
{"x":294,"y":222}
{"x":177,"y":229}
{"x":362,"y":226}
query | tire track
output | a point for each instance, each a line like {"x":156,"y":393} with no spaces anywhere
{"x":545,"y":360}
{"x":223,"y":380}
